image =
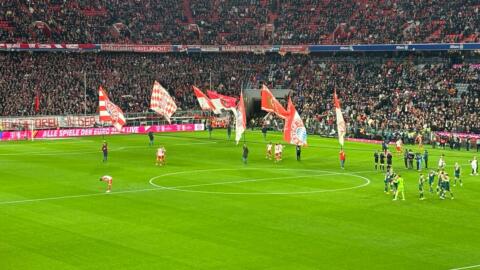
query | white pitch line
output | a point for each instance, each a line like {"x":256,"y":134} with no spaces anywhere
{"x":466,"y":267}
{"x":179,"y":188}
{"x":157,"y":187}
{"x":80,"y":152}
{"x":77,"y":196}
{"x":247,"y":180}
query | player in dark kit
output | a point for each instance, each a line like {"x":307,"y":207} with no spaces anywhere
{"x":431,"y":180}
{"x":375,"y":158}
{"x":446,"y":187}
{"x":405,"y":158}
{"x":389,"y":160}
{"x":457,"y":172}
{"x":264,"y":132}
{"x":298,"y":150}
{"x":245,"y":154}
{"x":105,"y":151}
{"x":418,"y":158}
{"x":382,"y":161}
{"x":385,"y":145}
{"x":210,"y":129}
{"x":411,"y":156}
{"x":425,"y":158}
{"x":388,"y":181}
{"x":229,"y":131}
{"x":421,"y":182}
{"x":151,"y":138}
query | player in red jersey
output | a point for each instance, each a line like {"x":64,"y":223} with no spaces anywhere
{"x":161,"y":156}
{"x":342,"y":158}
{"x":269,"y":151}
{"x":107,"y":179}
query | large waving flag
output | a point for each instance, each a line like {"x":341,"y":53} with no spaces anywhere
{"x":109,"y":112}
{"x":294,"y":131}
{"x":162,"y":102}
{"x":205,"y":103}
{"x":271,"y":104}
{"x":221,"y":102}
{"x":240,"y":119}
{"x":341,"y":128}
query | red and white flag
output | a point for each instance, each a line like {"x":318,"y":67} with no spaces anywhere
{"x":240,"y":119}
{"x":294,"y":131}
{"x":203,"y":100}
{"x":341,"y":128}
{"x":109,"y":112}
{"x":221,"y":102}
{"x":162,"y":102}
{"x":271,"y":104}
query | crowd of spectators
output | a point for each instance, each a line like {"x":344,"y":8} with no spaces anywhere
{"x":239,"y":22}
{"x":402,"y":93}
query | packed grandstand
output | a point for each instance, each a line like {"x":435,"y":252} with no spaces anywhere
{"x":379,"y":91}
{"x":240,"y":22}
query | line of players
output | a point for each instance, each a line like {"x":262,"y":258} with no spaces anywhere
{"x":394,"y":183}
{"x":277,"y":150}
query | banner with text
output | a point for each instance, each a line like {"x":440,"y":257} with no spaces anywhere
{"x":80,"y":132}
{"x":48,"y":122}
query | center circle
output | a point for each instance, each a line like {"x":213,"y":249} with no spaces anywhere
{"x":312,"y":174}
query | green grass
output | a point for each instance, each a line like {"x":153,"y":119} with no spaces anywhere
{"x":216,"y":213}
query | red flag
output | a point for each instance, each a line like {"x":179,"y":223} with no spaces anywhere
{"x":341,"y":127}
{"x":271,"y":104}
{"x":240,"y":119}
{"x":109,"y":112}
{"x":205,"y":103}
{"x":162,"y":102}
{"x":37,"y":102}
{"x":220,"y":101}
{"x":294,"y":131}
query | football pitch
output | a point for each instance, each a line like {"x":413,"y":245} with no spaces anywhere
{"x":207,"y":210}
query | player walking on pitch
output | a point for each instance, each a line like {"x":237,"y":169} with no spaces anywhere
{"x":474,"y":164}
{"x":400,"y":188}
{"x":342,"y":158}
{"x":441,"y":162}
{"x":151,"y":138}
{"x":161,"y":156}
{"x":245,"y":154}
{"x":107,"y":179}
{"x":431,"y":180}
{"x":105,"y":151}
{"x":398,"y":144}
{"x":298,"y":151}
{"x":269,"y":151}
{"x":456,"y":174}
{"x":421,"y":182}
{"x":375,"y":159}
{"x":446,"y":187}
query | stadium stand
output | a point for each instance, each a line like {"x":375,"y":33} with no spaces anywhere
{"x":239,"y":22}
{"x":377,"y":93}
